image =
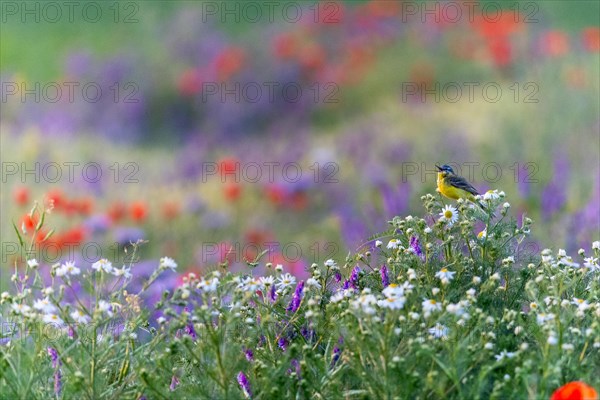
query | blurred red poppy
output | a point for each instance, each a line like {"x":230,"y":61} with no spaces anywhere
{"x":382,"y":8}
{"x":312,"y":57}
{"x":170,"y":210}
{"x":591,"y":39}
{"x":56,"y":197}
{"x":138,"y":211}
{"x":575,"y":391}
{"x":285,"y":46}
{"x":228,"y":167}
{"x":28,"y":222}
{"x":298,"y":201}
{"x":85,"y":206}
{"x":232,"y":191}
{"x":555,"y":43}
{"x":116,"y":211}
{"x":190,"y":82}
{"x":276,"y":194}
{"x":21,"y":195}
{"x":74,"y":236}
{"x":229,"y":62}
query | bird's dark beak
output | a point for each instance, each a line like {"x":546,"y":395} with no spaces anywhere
{"x":438,"y":167}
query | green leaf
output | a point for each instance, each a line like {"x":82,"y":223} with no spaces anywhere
{"x":21,"y":242}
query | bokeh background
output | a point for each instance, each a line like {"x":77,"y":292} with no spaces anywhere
{"x":371,"y":104}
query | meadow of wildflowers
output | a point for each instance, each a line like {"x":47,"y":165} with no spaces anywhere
{"x":200,"y":204}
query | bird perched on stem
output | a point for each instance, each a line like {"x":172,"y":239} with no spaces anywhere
{"x":456,"y":187}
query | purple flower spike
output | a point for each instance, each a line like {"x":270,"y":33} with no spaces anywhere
{"x":244,"y":384}
{"x":385,"y":279}
{"x":174,"y":383}
{"x":273,"y":293}
{"x":354,"y":277}
{"x":249,"y":355}
{"x":346,"y":284}
{"x":54,"y":357}
{"x":57,"y":374}
{"x":338,"y":276}
{"x":189,"y":329}
{"x":282,"y":343}
{"x":416,"y":247}
{"x":295,"y":303}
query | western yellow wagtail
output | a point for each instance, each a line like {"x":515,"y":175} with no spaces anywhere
{"x":456,"y":187}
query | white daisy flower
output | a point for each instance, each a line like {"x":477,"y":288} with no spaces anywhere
{"x":449,"y":214}
{"x":33,"y":263}
{"x":285,"y":280}
{"x":430,"y":305}
{"x":44,"y":305}
{"x":393,"y":303}
{"x":313,"y":283}
{"x":252,"y":284}
{"x":168,"y":262}
{"x":52,"y":319}
{"x":124,"y":272}
{"x":393,"y":244}
{"x":330,"y":263}
{"x":365,"y":303}
{"x":103,"y":264}
{"x":596,"y":245}
{"x":439,"y":331}
{"x":504,"y":354}
{"x":581,"y":304}
{"x":20,"y":308}
{"x":209,"y":285}
{"x":378,"y":243}
{"x":267,"y":280}
{"x":542,"y":318}
{"x":393,"y":290}
{"x":491,"y":195}
{"x":445,"y":276}
{"x":79,"y":317}
{"x":105,"y":307}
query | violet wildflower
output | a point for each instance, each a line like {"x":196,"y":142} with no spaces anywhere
{"x":282,"y":343}
{"x":249,"y":355}
{"x":338,"y":276}
{"x":385,"y":279}
{"x":174,"y":383}
{"x":273,"y":293}
{"x":189,"y":330}
{"x":57,"y":374}
{"x":354,"y":277}
{"x":295,"y":364}
{"x":415,"y":247}
{"x":297,"y":298}
{"x":244,"y":384}
{"x":346,"y":284}
{"x":337,"y":352}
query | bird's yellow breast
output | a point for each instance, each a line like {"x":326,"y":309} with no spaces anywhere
{"x":450,"y":191}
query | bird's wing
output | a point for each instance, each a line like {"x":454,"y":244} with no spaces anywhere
{"x":461,"y":183}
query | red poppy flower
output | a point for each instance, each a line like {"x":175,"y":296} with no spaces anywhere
{"x":85,"y":206}
{"x":190,"y":82}
{"x":170,"y":210}
{"x":232,"y":191}
{"x":138,"y":211}
{"x":575,"y":391}
{"x":28,"y":222}
{"x":56,"y":196}
{"x":591,"y":39}
{"x":276,"y":194}
{"x":383,"y":8}
{"x":229,"y":62}
{"x":21,"y":195}
{"x":117,"y":211}
{"x":298,"y":201}
{"x":312,"y":57}
{"x":285,"y":46}
{"x":555,"y":43}
{"x":228,"y":167}
{"x":74,"y":236}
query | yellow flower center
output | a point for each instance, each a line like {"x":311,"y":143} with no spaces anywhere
{"x":448,"y":214}
{"x":444,"y":270}
{"x":431,"y":301}
{"x":393,"y":285}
